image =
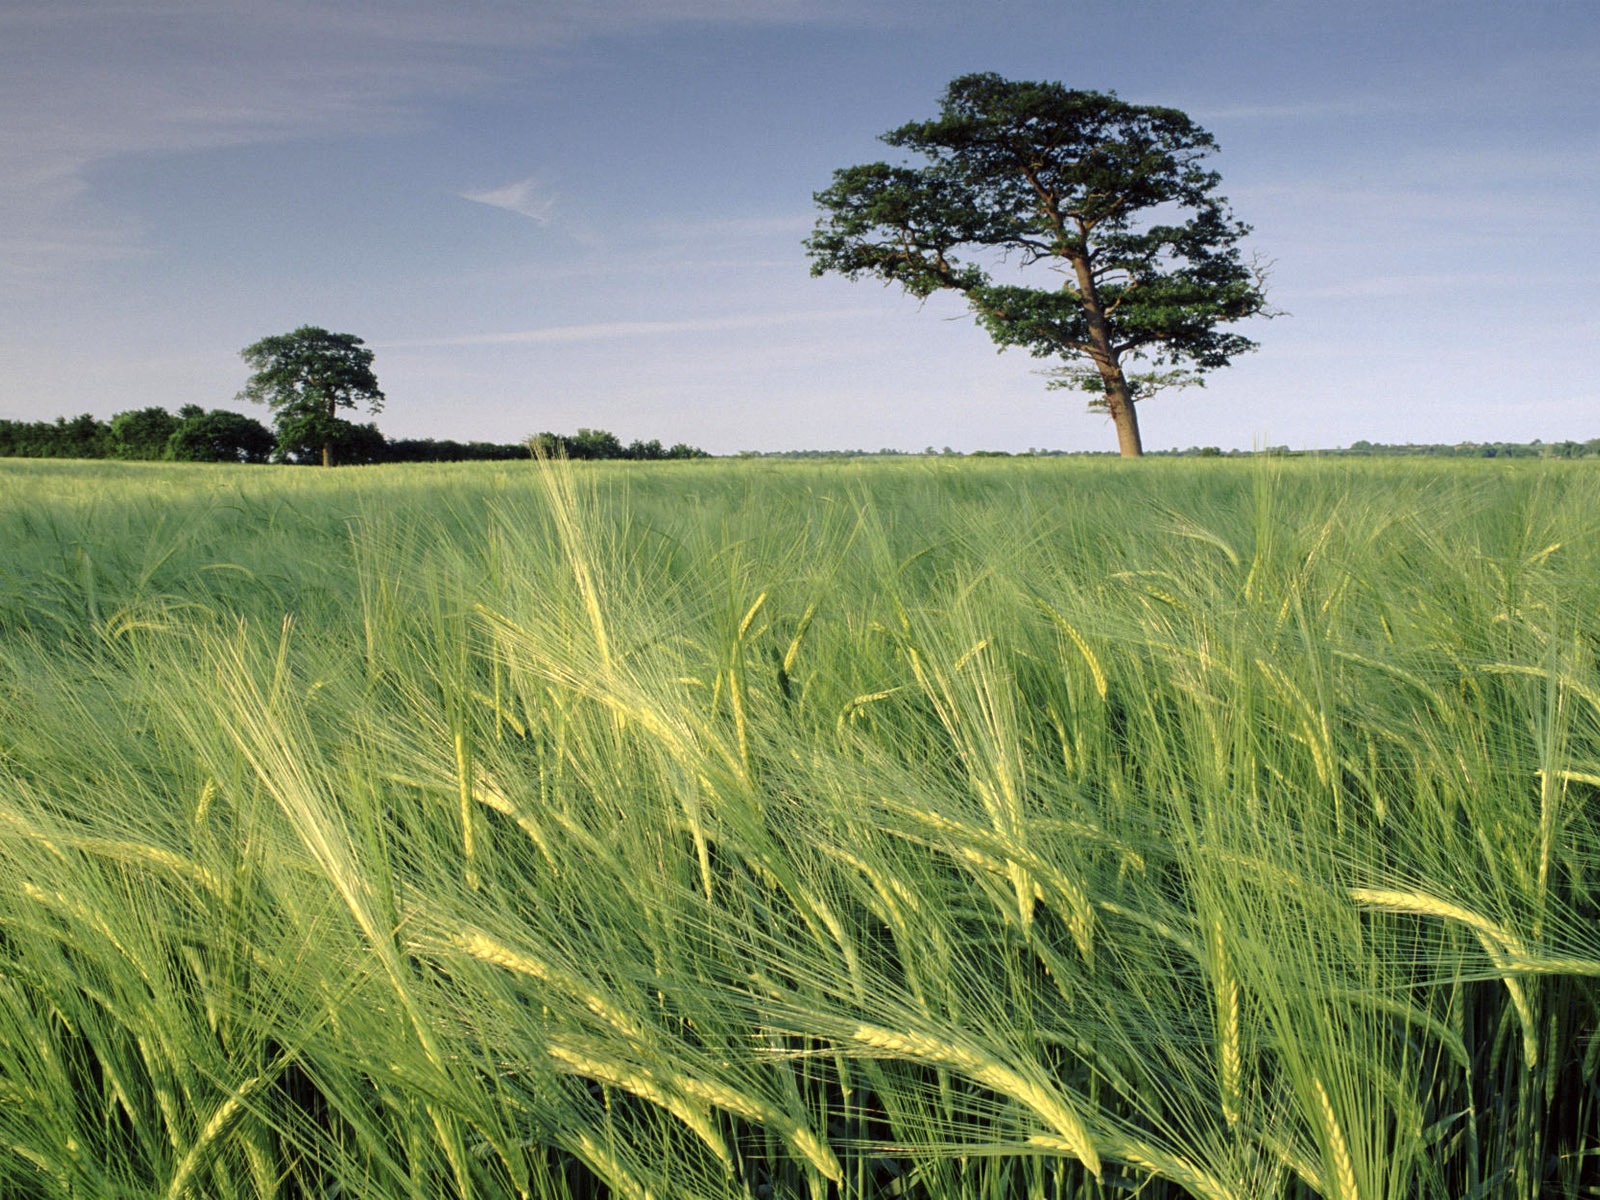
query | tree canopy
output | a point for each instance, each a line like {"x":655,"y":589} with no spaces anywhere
{"x":1114,"y":197}
{"x":306,"y":377}
{"x":219,"y":435}
{"x":142,"y":433}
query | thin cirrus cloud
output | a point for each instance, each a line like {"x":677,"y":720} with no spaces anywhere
{"x":605,"y":331}
{"x":87,"y":83}
{"x":527,"y":198}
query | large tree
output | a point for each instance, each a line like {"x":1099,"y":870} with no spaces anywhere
{"x":306,"y":377}
{"x":1113,"y":196}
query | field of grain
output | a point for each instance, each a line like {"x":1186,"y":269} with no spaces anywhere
{"x":947,"y":830}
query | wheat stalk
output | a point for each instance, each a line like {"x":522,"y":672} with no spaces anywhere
{"x":1343,"y":1167}
{"x":224,"y":1113}
{"x":1230,"y":1058}
{"x":486,"y":949}
{"x":1503,"y":948}
{"x":641,"y":1083}
{"x":993,"y":1074}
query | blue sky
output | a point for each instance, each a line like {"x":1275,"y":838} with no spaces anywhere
{"x":546,"y":214}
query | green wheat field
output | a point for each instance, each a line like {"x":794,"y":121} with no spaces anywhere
{"x":930,"y":828}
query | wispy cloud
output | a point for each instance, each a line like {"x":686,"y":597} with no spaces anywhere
{"x":85,"y":83}
{"x":527,"y":198}
{"x":608,"y":331}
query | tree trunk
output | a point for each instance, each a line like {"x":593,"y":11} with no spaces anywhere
{"x":1123,"y":415}
{"x":327,"y":442}
{"x":1119,"y":400}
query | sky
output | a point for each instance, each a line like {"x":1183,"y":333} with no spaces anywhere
{"x":554,"y":214}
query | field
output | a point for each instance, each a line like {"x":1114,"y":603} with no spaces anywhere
{"x":932,"y":829}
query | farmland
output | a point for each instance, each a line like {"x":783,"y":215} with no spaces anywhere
{"x":933,"y":828}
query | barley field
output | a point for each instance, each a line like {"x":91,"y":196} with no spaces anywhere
{"x":934,"y":829}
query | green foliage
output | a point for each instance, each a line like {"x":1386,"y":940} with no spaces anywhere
{"x":142,"y":434}
{"x":83,"y":436}
{"x":306,"y":377}
{"x":219,"y":436}
{"x":593,"y":444}
{"x":1567,"y":448}
{"x":596,"y":444}
{"x":347,"y":442}
{"x":416,"y":450}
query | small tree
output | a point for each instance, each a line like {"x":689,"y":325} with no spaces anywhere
{"x":306,"y":377}
{"x":84,"y":436}
{"x":595,"y":444}
{"x":220,"y":435}
{"x":142,"y":433}
{"x":1035,"y":173}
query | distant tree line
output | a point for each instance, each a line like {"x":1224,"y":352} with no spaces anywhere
{"x":1533,"y":449}
{"x":195,"y":434}
{"x":1363,"y":449}
{"x":597,"y":444}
